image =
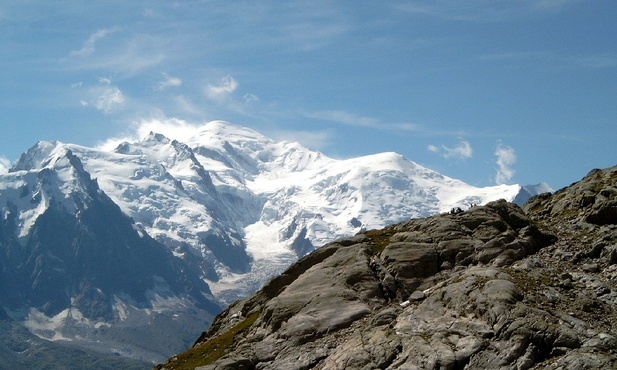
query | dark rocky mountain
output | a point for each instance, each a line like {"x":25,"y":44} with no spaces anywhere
{"x":20,"y":349}
{"x":85,"y":264}
{"x":493,"y":286}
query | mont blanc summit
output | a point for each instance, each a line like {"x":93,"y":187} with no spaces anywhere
{"x":95,"y":243}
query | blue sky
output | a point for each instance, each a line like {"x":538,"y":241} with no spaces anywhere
{"x":485,"y":91}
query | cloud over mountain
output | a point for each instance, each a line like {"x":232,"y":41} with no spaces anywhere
{"x":506,"y":158}
{"x":4,"y":165}
{"x":461,"y":151}
{"x":224,"y":88}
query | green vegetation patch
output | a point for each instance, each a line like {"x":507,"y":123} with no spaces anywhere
{"x":380,"y":239}
{"x":212,"y":350}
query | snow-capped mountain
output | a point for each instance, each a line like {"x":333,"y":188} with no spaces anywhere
{"x":528,"y":191}
{"x":217,"y":213}
{"x":74,"y":268}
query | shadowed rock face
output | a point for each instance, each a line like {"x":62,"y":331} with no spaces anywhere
{"x":491,"y":287}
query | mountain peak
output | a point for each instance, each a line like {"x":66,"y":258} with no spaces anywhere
{"x":156,"y":137}
{"x":37,"y":157}
{"x":526,"y":192}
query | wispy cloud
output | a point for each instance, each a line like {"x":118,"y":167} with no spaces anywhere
{"x":461,"y":151}
{"x":597,"y":61}
{"x":167,"y":82}
{"x":298,"y":25}
{"x":552,"y":4}
{"x":481,"y":10}
{"x":250,"y":98}
{"x":89,"y":46}
{"x":306,"y":36}
{"x":506,"y":158}
{"x":186,"y":105}
{"x":351,"y":119}
{"x":126,"y":54}
{"x":345,"y":118}
{"x":588,"y":61}
{"x":224,"y":88}
{"x":512,"y":56}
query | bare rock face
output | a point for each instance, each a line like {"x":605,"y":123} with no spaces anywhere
{"x":493,"y":287}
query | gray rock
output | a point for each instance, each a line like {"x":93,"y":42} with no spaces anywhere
{"x":418,"y":295}
{"x":486,"y":288}
{"x":590,"y":267}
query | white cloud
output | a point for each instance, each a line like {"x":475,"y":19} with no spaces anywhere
{"x":433,"y":148}
{"x":89,"y":46}
{"x":173,"y":128}
{"x":506,"y":158}
{"x":226,"y":86}
{"x":351,"y":119}
{"x":185,"y":131}
{"x":462,"y":151}
{"x":104,"y":97}
{"x":5,"y":164}
{"x":110,"y":100}
{"x":249,"y":98}
{"x":345,"y":118}
{"x":168,"y":81}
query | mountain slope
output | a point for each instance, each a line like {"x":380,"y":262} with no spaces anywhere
{"x":78,"y":269}
{"x":109,"y":248}
{"x":490,"y":287}
{"x":20,"y":349}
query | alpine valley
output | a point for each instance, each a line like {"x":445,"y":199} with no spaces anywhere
{"x":133,"y":251}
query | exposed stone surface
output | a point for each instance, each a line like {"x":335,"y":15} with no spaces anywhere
{"x":490,"y":287}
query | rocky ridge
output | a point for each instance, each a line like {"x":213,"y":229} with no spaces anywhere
{"x":493,"y":286}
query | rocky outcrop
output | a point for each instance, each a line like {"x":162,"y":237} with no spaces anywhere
{"x":494,"y":287}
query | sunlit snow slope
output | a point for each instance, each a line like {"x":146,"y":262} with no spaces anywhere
{"x":248,"y":206}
